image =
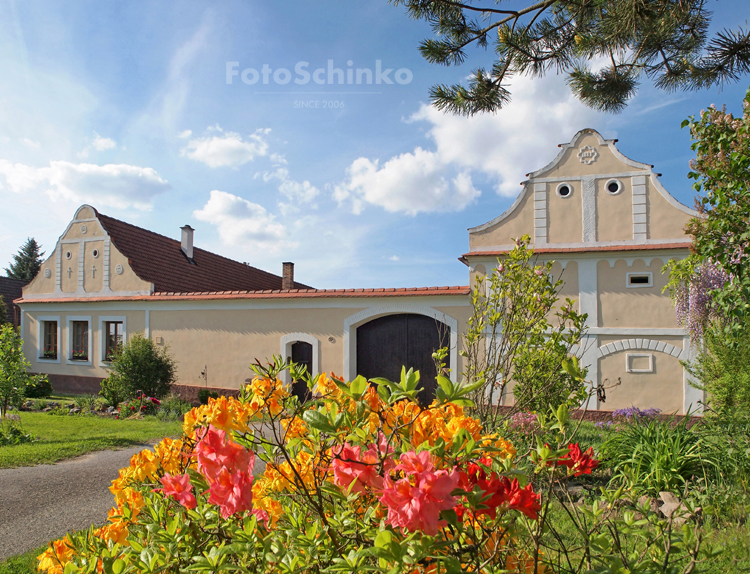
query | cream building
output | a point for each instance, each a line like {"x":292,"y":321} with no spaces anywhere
{"x":604,"y":219}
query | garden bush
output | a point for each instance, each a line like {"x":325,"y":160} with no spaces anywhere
{"x":172,"y":407}
{"x":38,"y":388}
{"x":141,"y":366}
{"x":139,"y":405}
{"x":11,"y":433}
{"x":359,"y":479}
{"x":114,"y":390}
{"x":205,"y":394}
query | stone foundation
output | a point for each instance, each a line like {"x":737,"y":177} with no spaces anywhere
{"x":75,"y":384}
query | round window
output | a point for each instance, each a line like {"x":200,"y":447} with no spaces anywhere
{"x":68,"y":255}
{"x":564,"y":190}
{"x":95,"y":253}
{"x":613,"y":187}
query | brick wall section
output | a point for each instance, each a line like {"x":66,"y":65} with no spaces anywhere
{"x":75,"y":384}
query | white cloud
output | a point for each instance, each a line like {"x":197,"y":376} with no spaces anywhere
{"x":503,"y":147}
{"x":298,"y":192}
{"x":517,"y":139}
{"x":118,"y":186}
{"x":184,"y":135}
{"x":394,"y":258}
{"x":417,"y":182}
{"x":101,"y":144}
{"x":226,"y":150}
{"x":31,"y":143}
{"x":242,"y":222}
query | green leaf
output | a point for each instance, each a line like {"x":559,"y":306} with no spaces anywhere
{"x":383,"y":539}
{"x":358,"y":387}
{"x":318,"y":421}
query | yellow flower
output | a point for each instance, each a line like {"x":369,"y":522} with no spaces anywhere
{"x":54,"y":559}
{"x":266,"y":395}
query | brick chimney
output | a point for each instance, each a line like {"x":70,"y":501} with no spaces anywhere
{"x":186,"y":243}
{"x":287,"y":277}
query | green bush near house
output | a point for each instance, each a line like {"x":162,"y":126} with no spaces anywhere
{"x":139,"y":366}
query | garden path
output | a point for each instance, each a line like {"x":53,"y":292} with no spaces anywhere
{"x":42,"y":503}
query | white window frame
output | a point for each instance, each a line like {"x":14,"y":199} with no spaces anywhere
{"x":103,"y":334}
{"x":639,"y":285}
{"x":40,"y":338}
{"x":630,"y":369}
{"x":286,"y":351}
{"x":69,"y":339}
{"x":619,"y":185}
{"x":570,"y":188}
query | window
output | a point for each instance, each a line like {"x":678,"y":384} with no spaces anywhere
{"x":49,"y":340}
{"x":79,"y":350}
{"x":613,"y":186}
{"x":640,"y":280}
{"x":113,"y":333}
{"x":564,"y":190}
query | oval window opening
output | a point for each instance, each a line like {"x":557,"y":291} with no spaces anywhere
{"x":563,"y":190}
{"x":95,"y":253}
{"x":613,"y":187}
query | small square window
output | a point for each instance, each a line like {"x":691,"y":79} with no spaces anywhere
{"x":80,"y":341}
{"x":640,"y":280}
{"x":49,"y":340}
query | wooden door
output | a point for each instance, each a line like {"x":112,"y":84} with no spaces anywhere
{"x":302,"y":354}
{"x":387,"y":343}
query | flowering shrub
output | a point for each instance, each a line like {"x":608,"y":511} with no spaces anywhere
{"x":523,"y":422}
{"x":140,"y":404}
{"x":360,"y":478}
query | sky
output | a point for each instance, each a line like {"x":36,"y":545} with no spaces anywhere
{"x":245,"y":120}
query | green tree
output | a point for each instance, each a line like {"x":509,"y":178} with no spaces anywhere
{"x":26,"y":262}
{"x":140,"y":366}
{"x":520,"y":333}
{"x":714,"y":282}
{"x":3,"y":311}
{"x":665,"y":41}
{"x":14,"y":369}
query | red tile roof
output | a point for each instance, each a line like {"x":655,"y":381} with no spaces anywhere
{"x":270,"y":294}
{"x":587,"y":249}
{"x":160,"y":260}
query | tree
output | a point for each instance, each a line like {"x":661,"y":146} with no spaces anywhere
{"x":26,"y":262}
{"x":510,"y":337}
{"x":713,"y":283}
{"x":14,"y":369}
{"x":3,"y":311}
{"x":141,"y":366}
{"x":666,"y":41}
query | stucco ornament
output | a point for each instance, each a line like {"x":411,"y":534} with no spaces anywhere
{"x":84,"y":229}
{"x":47,"y":273}
{"x":119,"y":269}
{"x":588,"y":154}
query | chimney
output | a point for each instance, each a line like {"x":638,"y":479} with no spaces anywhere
{"x":287,"y":277}
{"x":187,"y":241}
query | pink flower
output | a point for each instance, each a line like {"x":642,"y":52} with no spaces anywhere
{"x":350,"y":464}
{"x":179,"y":488}
{"x":232,"y":492}
{"x":415,"y":501}
{"x":215,"y":452}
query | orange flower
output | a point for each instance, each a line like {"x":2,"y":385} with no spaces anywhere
{"x":54,"y":559}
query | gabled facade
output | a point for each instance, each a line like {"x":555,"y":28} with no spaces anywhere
{"x":610,"y":226}
{"x":604,"y":219}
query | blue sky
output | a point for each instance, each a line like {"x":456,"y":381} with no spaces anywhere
{"x":127,"y":106}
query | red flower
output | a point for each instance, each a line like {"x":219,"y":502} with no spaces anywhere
{"x":578,"y":462}
{"x":499,"y":492}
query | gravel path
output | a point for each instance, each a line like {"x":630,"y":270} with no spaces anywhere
{"x":42,"y":503}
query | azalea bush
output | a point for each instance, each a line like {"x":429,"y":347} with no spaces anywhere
{"x":140,"y":404}
{"x":360,"y":478}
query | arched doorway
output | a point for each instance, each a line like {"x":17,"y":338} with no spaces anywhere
{"x":387,"y":343}
{"x":302,"y":354}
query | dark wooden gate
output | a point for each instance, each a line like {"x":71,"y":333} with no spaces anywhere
{"x":387,"y":343}
{"x":302,"y":353}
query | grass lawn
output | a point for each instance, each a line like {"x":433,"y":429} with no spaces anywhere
{"x":64,"y":437}
{"x":23,"y":563}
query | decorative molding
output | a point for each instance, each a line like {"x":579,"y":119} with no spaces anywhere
{"x":588,"y":206}
{"x":640,"y":209}
{"x":540,"y":213}
{"x":628,"y":363}
{"x":286,"y":351}
{"x":587,"y":154}
{"x":645,"y":344}
{"x":353,"y":321}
